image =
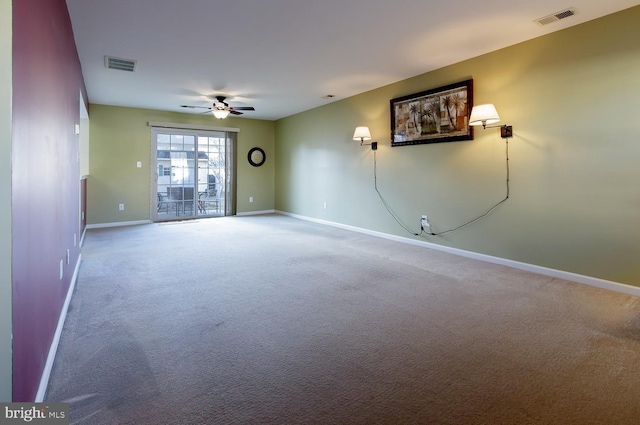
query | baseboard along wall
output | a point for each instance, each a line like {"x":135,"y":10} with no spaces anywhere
{"x":138,"y":222}
{"x":248,"y":213}
{"x":117,"y":224}
{"x":560,"y":274}
{"x":53,"y":349}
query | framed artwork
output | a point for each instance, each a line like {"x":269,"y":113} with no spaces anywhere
{"x":433,"y":116}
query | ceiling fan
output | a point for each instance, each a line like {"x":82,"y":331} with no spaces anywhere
{"x":221,"y":109}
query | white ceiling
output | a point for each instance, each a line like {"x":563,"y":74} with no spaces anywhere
{"x":285,"y":56}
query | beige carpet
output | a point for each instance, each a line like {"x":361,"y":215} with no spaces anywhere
{"x":273,"y":320}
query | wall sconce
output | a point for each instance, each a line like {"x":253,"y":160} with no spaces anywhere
{"x":487,"y":114}
{"x":362,"y":134}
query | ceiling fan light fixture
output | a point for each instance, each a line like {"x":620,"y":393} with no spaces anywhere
{"x":221,"y":113}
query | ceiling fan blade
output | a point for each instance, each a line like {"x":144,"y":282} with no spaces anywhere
{"x":194,"y":107}
{"x":221,"y":104}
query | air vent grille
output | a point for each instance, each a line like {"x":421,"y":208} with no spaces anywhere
{"x":556,"y":16}
{"x":120,"y":64}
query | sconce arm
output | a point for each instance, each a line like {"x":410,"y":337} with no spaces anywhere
{"x":374,"y":145}
{"x":506,"y":131}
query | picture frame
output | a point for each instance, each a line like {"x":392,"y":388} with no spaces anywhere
{"x":433,"y":116}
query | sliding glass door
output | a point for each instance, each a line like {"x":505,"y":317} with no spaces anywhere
{"x":193,"y":175}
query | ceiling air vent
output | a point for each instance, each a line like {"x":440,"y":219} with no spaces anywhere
{"x":120,"y":64}
{"x":555,"y":17}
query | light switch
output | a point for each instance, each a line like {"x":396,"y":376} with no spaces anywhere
{"x":139,"y":164}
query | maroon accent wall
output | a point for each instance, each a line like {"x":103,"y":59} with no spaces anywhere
{"x":47,"y":80}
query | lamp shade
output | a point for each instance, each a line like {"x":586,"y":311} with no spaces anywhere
{"x":221,"y":113}
{"x":362,"y":134}
{"x":483,"y":115}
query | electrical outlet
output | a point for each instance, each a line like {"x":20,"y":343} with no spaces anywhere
{"x":250,"y":198}
{"x":121,"y":207}
{"x":424,"y":221}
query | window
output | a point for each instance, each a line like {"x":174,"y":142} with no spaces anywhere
{"x":164,"y":171}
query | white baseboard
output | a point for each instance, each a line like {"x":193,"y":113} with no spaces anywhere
{"x":53,"y":349}
{"x":117,"y":224}
{"x":560,"y":274}
{"x":246,"y":213}
{"x":84,"y":232}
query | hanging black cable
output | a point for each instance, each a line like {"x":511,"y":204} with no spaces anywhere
{"x":375,"y":184}
{"x":489,"y":211}
{"x":422,"y":231}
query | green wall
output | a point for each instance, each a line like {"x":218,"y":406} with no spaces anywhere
{"x":119,"y":137}
{"x":5,"y":194}
{"x":572,"y":99}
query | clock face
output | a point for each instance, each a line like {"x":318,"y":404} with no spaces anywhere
{"x":256,"y":157}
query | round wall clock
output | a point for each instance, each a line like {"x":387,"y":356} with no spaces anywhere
{"x":256,"y":157}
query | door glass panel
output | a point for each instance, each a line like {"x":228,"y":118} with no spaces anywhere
{"x":211,"y":175}
{"x":191,"y":174}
